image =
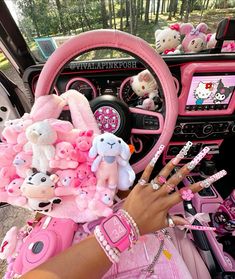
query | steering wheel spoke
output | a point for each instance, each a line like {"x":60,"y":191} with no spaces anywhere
{"x":146,"y":122}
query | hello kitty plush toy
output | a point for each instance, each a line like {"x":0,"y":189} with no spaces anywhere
{"x":168,"y":40}
{"x":195,"y":39}
{"x":145,"y":86}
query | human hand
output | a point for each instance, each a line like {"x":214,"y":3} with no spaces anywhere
{"x":149,"y":207}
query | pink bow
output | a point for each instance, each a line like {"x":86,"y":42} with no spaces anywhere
{"x":200,"y":217}
{"x":175,"y":26}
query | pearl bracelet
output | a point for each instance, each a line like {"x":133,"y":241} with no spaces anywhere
{"x":132,"y":223}
{"x":112,"y":253}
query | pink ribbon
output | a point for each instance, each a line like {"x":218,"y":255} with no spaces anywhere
{"x":175,"y":26}
{"x":200,"y":217}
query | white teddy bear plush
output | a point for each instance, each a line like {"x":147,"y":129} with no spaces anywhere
{"x":145,"y":86}
{"x":41,"y":136}
{"x":168,"y":40}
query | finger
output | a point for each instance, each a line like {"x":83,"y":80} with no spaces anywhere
{"x":176,"y":178}
{"x":165,"y":172}
{"x":176,"y":197}
{"x":148,"y":170}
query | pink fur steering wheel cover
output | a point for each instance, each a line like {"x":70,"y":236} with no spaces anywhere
{"x":119,"y":40}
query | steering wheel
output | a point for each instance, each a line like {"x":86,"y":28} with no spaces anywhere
{"x":138,"y":48}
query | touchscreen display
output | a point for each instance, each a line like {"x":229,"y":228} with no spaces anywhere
{"x":210,"y":92}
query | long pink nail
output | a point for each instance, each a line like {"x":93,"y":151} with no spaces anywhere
{"x":198,"y":158}
{"x":183,"y":152}
{"x":208,"y":181}
{"x":157,"y":155}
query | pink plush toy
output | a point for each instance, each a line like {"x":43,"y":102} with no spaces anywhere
{"x":39,"y":189}
{"x":145,"y":86}
{"x":168,"y":40}
{"x":83,"y":145}
{"x":64,"y":155}
{"x":8,"y":244}
{"x":13,"y":194}
{"x":228,"y":47}
{"x":211,"y":41}
{"x":22,"y":163}
{"x":195,"y":38}
{"x":68,"y":183}
{"x":84,"y":197}
{"x":102,"y":202}
{"x":41,"y":136}
{"x":85,"y":176}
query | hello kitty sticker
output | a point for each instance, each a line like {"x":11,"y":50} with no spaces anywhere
{"x":210,"y":92}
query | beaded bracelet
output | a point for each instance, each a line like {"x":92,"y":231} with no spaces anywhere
{"x":135,"y":233}
{"x":112,"y":253}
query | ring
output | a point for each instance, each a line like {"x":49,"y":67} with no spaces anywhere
{"x":170,"y":187}
{"x":161,"y":179}
{"x":155,"y":186}
{"x":142,"y":182}
{"x":170,"y":221}
{"x":186,"y":193}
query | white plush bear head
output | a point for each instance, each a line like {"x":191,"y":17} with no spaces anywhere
{"x":45,"y":132}
{"x":143,"y":84}
{"x":108,"y":144}
{"x":167,"y":39}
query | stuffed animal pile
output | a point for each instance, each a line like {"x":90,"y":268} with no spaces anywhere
{"x":59,"y":168}
{"x":181,"y":38}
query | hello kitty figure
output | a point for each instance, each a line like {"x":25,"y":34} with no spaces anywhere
{"x":168,"y":40}
{"x":222,"y":92}
{"x":145,"y":86}
{"x":195,"y":39}
{"x":203,"y":92}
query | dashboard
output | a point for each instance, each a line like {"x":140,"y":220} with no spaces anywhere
{"x":201,"y":119}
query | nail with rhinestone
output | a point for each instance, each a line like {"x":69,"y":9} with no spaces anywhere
{"x":157,"y":155}
{"x":183,"y":152}
{"x":198,"y":158}
{"x":208,"y":181}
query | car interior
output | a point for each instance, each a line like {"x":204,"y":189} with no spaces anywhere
{"x":180,"y":113}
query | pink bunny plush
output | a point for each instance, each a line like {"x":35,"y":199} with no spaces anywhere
{"x":145,"y":86}
{"x":109,"y":151}
{"x":68,"y":183}
{"x":39,"y":189}
{"x":64,"y":154}
{"x":13,"y":194}
{"x":83,"y":145}
{"x":41,"y":136}
{"x":195,"y":38}
{"x":85,"y":176}
{"x":22,"y":163}
{"x":102,"y":202}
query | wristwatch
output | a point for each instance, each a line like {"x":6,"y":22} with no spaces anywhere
{"x":116,"y":232}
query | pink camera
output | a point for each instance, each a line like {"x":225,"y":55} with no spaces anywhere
{"x":49,"y":237}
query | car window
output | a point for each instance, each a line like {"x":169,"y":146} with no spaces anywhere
{"x":172,"y":27}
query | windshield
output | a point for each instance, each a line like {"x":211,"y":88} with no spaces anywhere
{"x":171,"y":27}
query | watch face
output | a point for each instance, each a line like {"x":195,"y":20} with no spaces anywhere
{"x":114,"y":229}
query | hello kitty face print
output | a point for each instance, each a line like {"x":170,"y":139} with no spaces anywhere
{"x":203,"y":92}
